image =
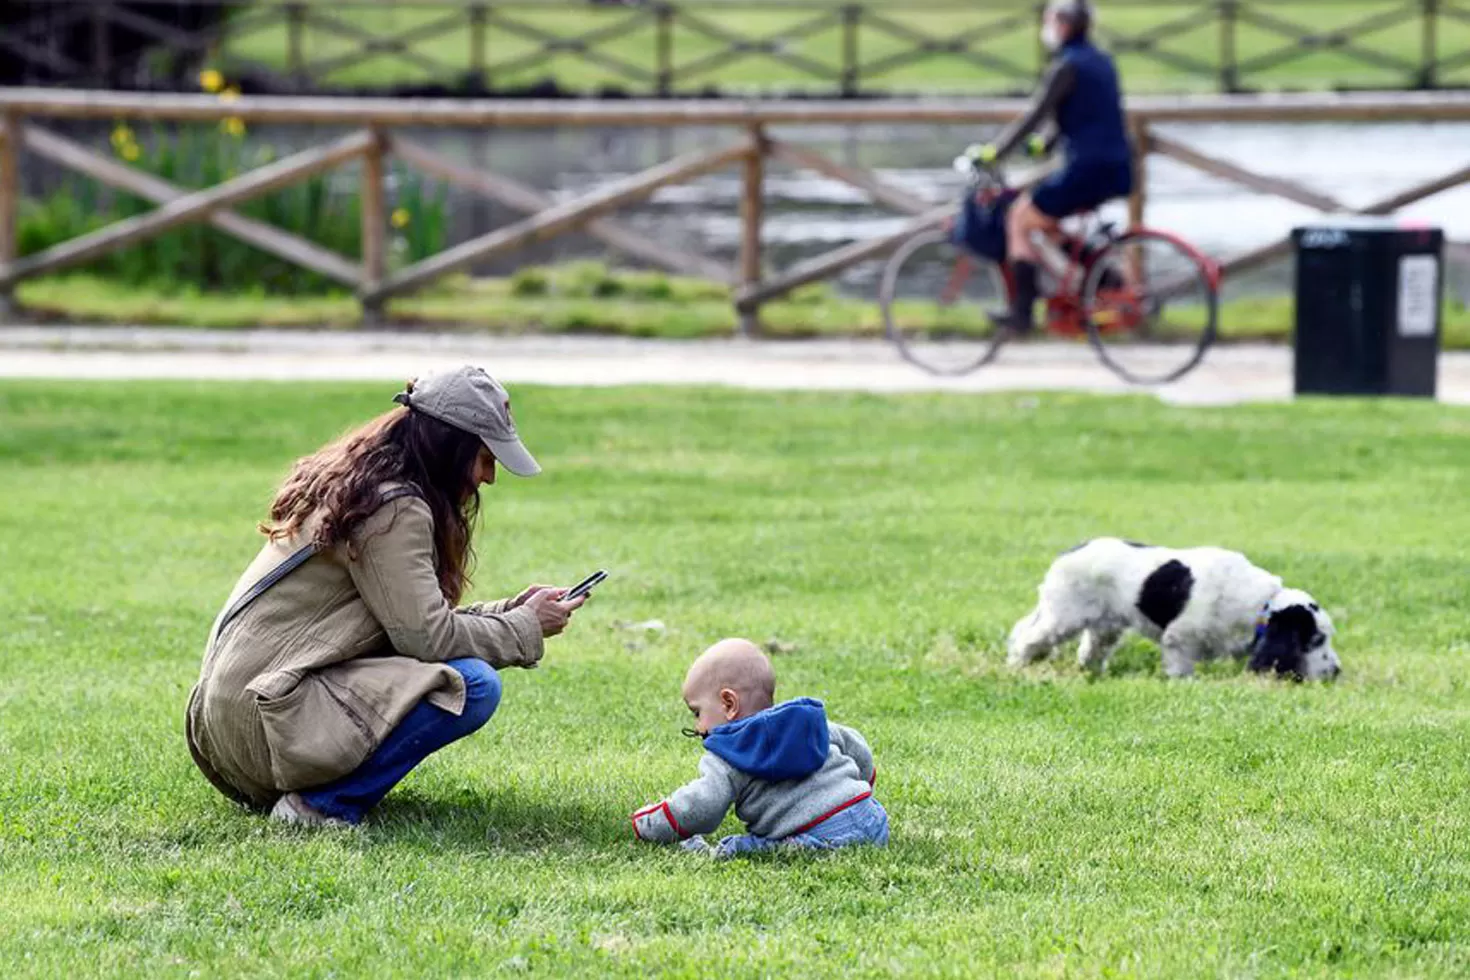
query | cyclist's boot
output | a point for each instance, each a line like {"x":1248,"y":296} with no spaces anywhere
{"x":1018,"y":319}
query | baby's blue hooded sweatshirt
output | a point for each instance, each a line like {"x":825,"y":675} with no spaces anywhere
{"x":785,"y":770}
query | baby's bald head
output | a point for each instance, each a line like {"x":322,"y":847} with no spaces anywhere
{"x":729,"y":667}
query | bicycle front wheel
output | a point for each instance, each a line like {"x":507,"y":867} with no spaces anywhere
{"x":1151,"y":307}
{"x":934,"y":298}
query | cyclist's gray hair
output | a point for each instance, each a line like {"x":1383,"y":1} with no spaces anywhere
{"x":1077,"y":12}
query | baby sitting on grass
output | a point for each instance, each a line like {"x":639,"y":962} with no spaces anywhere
{"x":795,"y":779}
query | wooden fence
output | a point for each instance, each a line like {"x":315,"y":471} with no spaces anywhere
{"x":678,"y":47}
{"x":753,"y":142}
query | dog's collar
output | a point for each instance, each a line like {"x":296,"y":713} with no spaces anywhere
{"x":1263,"y":620}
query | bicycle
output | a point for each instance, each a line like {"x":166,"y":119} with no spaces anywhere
{"x":1113,"y":287}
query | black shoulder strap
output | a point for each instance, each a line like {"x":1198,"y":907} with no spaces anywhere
{"x":293,"y":562}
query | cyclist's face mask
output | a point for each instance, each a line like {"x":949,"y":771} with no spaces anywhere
{"x":1052,"y":32}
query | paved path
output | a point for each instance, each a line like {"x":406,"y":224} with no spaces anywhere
{"x":1229,"y":374}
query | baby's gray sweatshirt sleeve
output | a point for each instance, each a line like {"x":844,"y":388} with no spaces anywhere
{"x":852,"y":745}
{"x":694,"y":808}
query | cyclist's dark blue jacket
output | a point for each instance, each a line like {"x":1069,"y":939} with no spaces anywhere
{"x":1082,"y":94}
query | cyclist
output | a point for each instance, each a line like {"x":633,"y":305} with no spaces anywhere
{"x":1081,"y":97}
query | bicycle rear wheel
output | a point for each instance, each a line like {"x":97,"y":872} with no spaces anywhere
{"x":934,"y":298}
{"x":1151,"y":306}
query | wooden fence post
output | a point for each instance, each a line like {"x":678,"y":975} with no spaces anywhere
{"x":851,"y":18}
{"x":374,"y":229}
{"x":1429,"y":68}
{"x":1229,"y":72}
{"x":10,"y":137}
{"x":101,"y":46}
{"x":752,"y":217}
{"x":1138,"y":200}
{"x":478,"y":83}
{"x":295,"y":59}
{"x":665,"y":53}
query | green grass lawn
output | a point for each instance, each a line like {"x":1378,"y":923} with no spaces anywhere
{"x":1185,"y":30}
{"x":576,"y":298}
{"x":1044,"y":825}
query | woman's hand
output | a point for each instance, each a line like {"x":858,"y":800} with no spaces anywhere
{"x":551,"y":612}
{"x":526,"y":594}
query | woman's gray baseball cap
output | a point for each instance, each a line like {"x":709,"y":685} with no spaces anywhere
{"x":469,"y":399}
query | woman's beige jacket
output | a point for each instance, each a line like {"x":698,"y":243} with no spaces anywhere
{"x":305,"y":684}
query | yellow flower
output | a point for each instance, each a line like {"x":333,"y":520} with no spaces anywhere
{"x":121,"y":136}
{"x":231,"y":94}
{"x":233,"y":126}
{"x":211,"y":80}
{"x":130,"y":152}
{"x":400,"y":218}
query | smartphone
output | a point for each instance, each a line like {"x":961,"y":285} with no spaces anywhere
{"x":585,"y":586}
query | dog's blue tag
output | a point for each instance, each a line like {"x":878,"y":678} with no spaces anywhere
{"x":1262,"y":621}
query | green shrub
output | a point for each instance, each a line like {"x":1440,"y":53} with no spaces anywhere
{"x":587,"y":280}
{"x":531,"y":281}
{"x":652,"y":286}
{"x":196,"y":256}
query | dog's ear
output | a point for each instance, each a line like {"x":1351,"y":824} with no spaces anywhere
{"x":1288,"y":633}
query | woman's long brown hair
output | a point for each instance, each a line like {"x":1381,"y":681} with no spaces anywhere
{"x":340,"y":485}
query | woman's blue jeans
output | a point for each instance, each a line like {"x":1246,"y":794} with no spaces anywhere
{"x":422,"y":732}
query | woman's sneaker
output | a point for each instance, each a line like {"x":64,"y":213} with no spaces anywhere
{"x":292,"y":809}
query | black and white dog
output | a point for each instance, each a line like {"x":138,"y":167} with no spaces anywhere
{"x":1197,"y":604}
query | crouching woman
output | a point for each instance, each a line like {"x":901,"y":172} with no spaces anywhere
{"x":340,"y":661}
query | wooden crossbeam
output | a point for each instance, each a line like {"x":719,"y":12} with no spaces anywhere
{"x":1260,"y":183}
{"x":398,"y":46}
{"x":267,"y":238}
{"x":1146,"y":43}
{"x":40,"y":36}
{"x":1291,"y":191}
{"x":1388,"y":205}
{"x":35,"y":54}
{"x":200,"y":40}
{"x":243,"y":23}
{"x":961,"y":46}
{"x":528,"y":200}
{"x":175,"y":37}
{"x":196,"y":206}
{"x":1419,"y":192}
{"x":1452,"y":106}
{"x":561,"y":218}
{"x":581,"y":45}
{"x":830,"y":263}
{"x":739,"y":46}
{"x":863,"y":180}
{"x":1305,"y":41}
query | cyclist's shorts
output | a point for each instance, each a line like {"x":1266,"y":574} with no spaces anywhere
{"x":1081,"y":187}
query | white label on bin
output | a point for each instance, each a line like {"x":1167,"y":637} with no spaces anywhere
{"x":1418,"y":292}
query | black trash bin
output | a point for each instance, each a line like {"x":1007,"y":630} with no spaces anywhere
{"x":1368,"y":308}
